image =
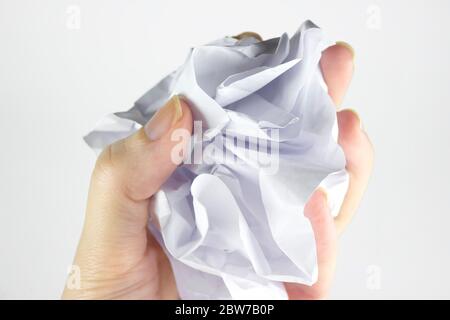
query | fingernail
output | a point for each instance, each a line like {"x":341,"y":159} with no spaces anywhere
{"x":164,"y":119}
{"x":248,"y":34}
{"x":348,"y":47}
{"x":358,"y":117}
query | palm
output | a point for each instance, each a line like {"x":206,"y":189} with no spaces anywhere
{"x":151,"y":277}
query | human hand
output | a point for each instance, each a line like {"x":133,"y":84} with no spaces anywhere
{"x":117,"y":256}
{"x":337,"y":69}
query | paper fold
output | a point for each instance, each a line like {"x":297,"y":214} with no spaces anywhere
{"x":233,"y":226}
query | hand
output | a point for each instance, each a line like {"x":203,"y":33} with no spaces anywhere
{"x":337,"y":69}
{"x":117,"y":256}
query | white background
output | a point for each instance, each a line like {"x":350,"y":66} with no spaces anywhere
{"x":56,"y":81}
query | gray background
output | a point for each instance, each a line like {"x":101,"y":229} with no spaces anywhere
{"x":58,"y":77}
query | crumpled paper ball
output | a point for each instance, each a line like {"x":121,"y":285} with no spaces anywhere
{"x":231,"y":217}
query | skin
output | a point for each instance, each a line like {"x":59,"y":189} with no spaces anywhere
{"x":119,"y":259}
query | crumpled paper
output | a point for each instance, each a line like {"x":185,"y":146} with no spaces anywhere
{"x":234,"y":227}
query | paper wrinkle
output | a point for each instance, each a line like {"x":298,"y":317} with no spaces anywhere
{"x":236,"y":229}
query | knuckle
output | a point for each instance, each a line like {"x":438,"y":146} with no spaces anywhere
{"x":353,"y":121}
{"x":104,"y":163}
{"x":118,"y":166}
{"x":107,"y":165}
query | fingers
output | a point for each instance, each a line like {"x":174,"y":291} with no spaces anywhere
{"x":359,"y":155}
{"x":337,"y":69}
{"x":322,"y":223}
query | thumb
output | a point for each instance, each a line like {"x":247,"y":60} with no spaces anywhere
{"x":128,"y":172}
{"x":138,"y":165}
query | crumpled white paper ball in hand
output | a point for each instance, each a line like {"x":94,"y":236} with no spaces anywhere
{"x":234,"y":226}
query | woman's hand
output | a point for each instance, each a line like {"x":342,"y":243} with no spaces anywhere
{"x":116,"y":256}
{"x":337,"y":69}
{"x":119,"y":259}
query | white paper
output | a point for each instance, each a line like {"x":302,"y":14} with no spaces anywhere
{"x":236,"y":229}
